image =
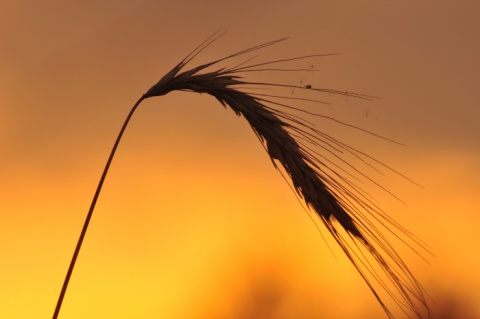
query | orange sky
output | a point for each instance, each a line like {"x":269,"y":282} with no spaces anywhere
{"x":193,"y":221}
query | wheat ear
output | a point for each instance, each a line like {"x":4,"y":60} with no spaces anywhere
{"x":288,"y":140}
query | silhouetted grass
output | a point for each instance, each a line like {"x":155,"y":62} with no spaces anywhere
{"x":290,"y":140}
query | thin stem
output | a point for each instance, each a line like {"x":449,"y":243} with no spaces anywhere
{"x":92,"y":207}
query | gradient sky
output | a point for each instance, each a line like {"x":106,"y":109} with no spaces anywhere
{"x":193,"y":221}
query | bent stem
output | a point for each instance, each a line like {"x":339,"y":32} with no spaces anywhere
{"x":305,"y":157}
{"x":92,"y":207}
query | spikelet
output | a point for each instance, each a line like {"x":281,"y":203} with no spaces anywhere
{"x":335,"y":200}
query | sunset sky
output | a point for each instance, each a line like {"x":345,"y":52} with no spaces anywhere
{"x":193,"y":220}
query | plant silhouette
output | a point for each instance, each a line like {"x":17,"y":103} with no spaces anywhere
{"x":346,"y":211}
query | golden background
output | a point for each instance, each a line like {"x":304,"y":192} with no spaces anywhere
{"x":193,"y":220}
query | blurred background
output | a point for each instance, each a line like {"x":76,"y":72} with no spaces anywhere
{"x":193,"y":220}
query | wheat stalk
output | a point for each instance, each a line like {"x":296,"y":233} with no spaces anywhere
{"x":345,"y":210}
